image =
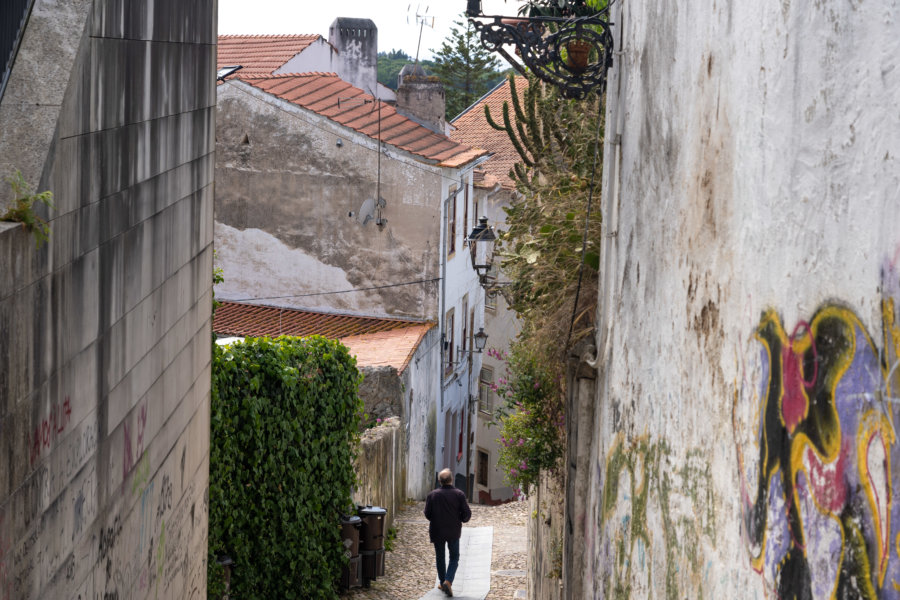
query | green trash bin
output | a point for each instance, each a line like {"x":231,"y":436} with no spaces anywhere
{"x":371,"y":543}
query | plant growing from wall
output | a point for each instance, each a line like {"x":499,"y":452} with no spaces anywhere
{"x":543,"y":249}
{"x":284,"y":429}
{"x":22,"y":208}
{"x":531,"y":418}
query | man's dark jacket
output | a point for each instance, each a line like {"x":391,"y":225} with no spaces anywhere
{"x":446,"y":510}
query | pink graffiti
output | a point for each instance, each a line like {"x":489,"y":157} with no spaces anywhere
{"x":795,"y":404}
{"x":127,"y":454}
{"x":48,"y":431}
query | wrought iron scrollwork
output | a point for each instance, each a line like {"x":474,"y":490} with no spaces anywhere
{"x":572,"y":53}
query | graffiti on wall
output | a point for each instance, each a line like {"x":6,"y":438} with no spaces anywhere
{"x":643,"y":512}
{"x":819,"y":517}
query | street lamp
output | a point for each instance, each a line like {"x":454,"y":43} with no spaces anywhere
{"x":563,"y":42}
{"x":483,"y":235}
{"x":480,"y":340}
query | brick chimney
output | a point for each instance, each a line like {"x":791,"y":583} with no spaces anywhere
{"x":421,"y":98}
{"x":356,"y":41}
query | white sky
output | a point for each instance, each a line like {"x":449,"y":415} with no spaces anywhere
{"x":395,"y":19}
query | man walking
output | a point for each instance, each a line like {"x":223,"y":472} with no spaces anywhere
{"x":446,"y":510}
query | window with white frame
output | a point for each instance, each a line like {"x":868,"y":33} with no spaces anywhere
{"x":485,"y":391}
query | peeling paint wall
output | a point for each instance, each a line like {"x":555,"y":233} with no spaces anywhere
{"x":287,"y":182}
{"x":748,"y":341}
{"x":105,"y":330}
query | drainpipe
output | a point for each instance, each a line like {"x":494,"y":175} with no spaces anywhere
{"x":441,"y":317}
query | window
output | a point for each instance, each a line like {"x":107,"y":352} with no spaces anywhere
{"x":462,"y":429}
{"x":449,"y":345}
{"x":451,"y":222}
{"x":466,"y":228}
{"x":483,"y":460}
{"x":485,"y":400}
{"x":464,"y":340}
{"x":471,"y":341}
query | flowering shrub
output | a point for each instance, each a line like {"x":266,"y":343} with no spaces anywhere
{"x":531,"y":418}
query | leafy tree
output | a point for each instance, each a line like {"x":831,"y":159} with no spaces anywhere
{"x":390,"y":63}
{"x":465,"y":67}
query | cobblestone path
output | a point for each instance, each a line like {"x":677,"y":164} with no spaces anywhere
{"x":409,"y":569}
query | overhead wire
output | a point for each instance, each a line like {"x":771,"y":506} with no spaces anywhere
{"x":350,"y":291}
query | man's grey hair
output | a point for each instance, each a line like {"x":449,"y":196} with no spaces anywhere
{"x":445,"y":477}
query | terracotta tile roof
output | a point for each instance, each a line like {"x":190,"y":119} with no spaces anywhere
{"x":260,"y":54}
{"x":472,"y":128}
{"x":374,"y":341}
{"x":332,"y":97}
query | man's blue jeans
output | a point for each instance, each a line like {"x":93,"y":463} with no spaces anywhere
{"x":449,"y":572}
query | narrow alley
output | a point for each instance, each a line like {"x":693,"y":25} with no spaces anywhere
{"x":409,"y":567}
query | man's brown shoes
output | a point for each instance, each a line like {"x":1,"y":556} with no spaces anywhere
{"x":448,"y":588}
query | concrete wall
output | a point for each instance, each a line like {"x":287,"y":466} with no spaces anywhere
{"x":747,"y":398}
{"x":284,"y":193}
{"x":105,"y":331}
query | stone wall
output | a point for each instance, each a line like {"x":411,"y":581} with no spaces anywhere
{"x":381,"y":469}
{"x":105,"y":330}
{"x":381,"y":392}
{"x":748,"y":341}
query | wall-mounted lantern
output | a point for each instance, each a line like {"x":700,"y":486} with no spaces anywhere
{"x":563,"y":42}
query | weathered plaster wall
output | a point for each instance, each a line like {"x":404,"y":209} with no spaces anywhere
{"x":746,"y":410}
{"x":104,"y":331}
{"x":284,"y":193}
{"x":421,"y":394}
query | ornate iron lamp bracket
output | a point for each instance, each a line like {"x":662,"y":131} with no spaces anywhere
{"x":541,"y":42}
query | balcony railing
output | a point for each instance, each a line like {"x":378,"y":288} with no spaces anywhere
{"x":13,"y":16}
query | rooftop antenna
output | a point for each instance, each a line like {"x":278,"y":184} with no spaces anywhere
{"x":422,"y":19}
{"x":371,"y":207}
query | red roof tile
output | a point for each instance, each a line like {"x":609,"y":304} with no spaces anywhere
{"x":472,"y":128}
{"x":260,"y":54}
{"x":334,"y":98}
{"x":374,"y":341}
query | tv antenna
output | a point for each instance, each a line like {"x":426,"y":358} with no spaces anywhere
{"x":371,"y":207}
{"x":423,"y":19}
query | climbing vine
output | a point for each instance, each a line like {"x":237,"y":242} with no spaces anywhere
{"x":532,"y":422}
{"x":284,"y":428}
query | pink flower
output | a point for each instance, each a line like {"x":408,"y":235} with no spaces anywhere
{"x":513,"y":472}
{"x":523,"y":466}
{"x":537,"y":385}
{"x":521,"y":442}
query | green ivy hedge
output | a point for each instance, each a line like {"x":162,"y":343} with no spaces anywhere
{"x":284,"y":421}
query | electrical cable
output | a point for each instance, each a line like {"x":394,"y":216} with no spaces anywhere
{"x":368,"y":289}
{"x":587,"y":223}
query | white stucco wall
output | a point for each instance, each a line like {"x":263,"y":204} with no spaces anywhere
{"x":751,"y":193}
{"x":421,"y":394}
{"x":460,"y":387}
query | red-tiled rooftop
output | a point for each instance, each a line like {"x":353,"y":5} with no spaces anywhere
{"x":472,"y":128}
{"x":332,"y":97}
{"x":374,"y":341}
{"x":260,"y":54}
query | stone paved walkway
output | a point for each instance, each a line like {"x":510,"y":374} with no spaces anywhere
{"x":409,"y":569}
